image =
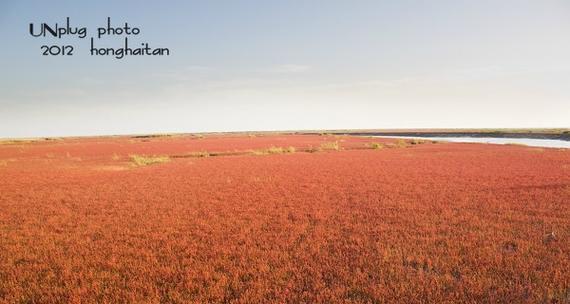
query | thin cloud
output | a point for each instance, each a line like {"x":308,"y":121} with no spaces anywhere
{"x":290,"y":68}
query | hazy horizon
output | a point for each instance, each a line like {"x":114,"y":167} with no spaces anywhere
{"x":273,"y":66}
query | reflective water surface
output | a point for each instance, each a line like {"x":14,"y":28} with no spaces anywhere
{"x":548,"y":143}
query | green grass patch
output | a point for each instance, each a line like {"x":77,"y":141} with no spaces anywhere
{"x":274,"y":150}
{"x":401,"y":143}
{"x":416,"y":141}
{"x":376,"y":146}
{"x":145,"y":160}
{"x":200,"y":154}
{"x":331,"y":145}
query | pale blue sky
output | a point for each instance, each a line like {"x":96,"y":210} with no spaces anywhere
{"x":282,"y":65}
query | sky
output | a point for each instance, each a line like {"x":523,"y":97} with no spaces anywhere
{"x":288,"y":65}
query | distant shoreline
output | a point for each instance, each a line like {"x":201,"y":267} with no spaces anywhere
{"x":554,"y":133}
{"x":559,"y":136}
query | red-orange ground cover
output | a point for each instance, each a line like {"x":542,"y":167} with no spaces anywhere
{"x":421,"y":223}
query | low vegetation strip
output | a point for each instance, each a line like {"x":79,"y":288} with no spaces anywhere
{"x":323,"y":147}
{"x":274,"y":150}
{"x":334,"y":145}
{"x":376,"y":146}
{"x":144,"y":160}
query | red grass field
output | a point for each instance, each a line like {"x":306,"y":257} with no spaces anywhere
{"x":409,"y":223}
